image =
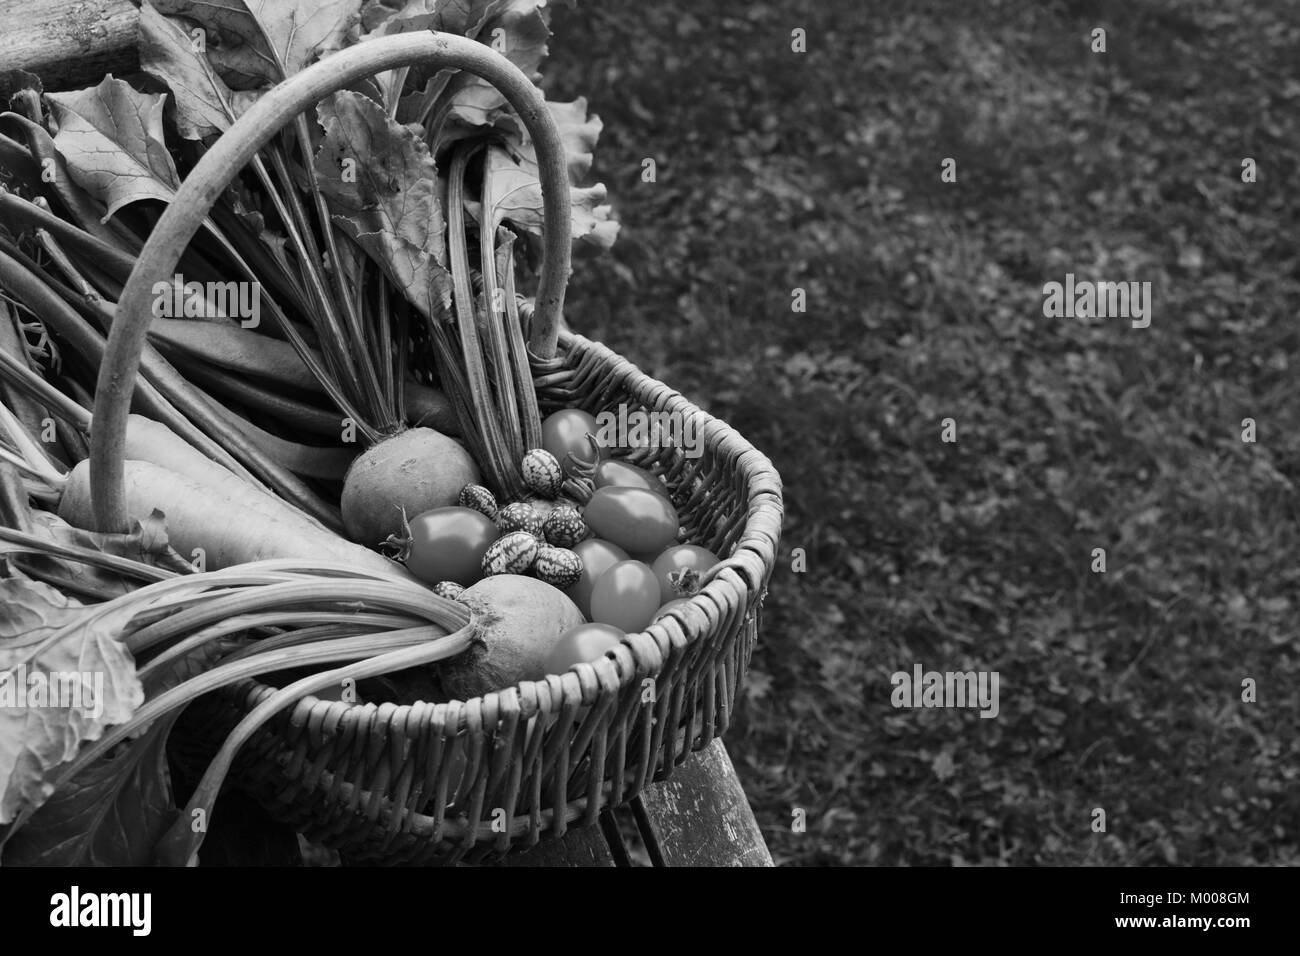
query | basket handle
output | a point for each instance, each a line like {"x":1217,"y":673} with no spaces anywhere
{"x":237,"y":147}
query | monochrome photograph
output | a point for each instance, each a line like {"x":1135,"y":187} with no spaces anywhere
{"x":765,"y":434}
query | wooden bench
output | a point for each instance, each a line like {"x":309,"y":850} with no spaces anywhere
{"x":69,"y":43}
{"x":698,"y":817}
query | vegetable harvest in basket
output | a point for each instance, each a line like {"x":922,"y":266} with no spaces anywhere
{"x":334,"y":472}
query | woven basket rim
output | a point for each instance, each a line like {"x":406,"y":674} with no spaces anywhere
{"x":618,"y":668}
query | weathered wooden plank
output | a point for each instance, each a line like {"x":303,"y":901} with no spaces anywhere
{"x":581,"y":846}
{"x":69,"y":43}
{"x":700,"y":816}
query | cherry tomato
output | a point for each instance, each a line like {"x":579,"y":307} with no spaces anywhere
{"x":638,"y":521}
{"x":447,"y":544}
{"x":582,"y":645}
{"x":669,"y":607}
{"x":565,"y":432}
{"x":597,"y":558}
{"x":668,"y":568}
{"x":626,"y":596}
{"x":624,"y":475}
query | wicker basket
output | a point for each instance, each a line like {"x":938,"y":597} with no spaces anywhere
{"x":436,"y":783}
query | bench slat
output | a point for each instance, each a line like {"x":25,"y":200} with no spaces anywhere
{"x":700,"y":816}
{"x":581,"y":846}
{"x":69,"y":43}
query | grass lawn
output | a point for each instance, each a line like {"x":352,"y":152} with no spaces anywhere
{"x":778,"y":170}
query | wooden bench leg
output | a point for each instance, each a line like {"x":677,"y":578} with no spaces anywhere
{"x":700,"y":816}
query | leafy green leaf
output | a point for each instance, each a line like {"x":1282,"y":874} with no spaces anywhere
{"x":33,"y":611}
{"x":114,"y":812}
{"x":111,"y":814}
{"x":467,"y":106}
{"x":579,"y":131}
{"x":266,"y":40}
{"x":145,"y":544}
{"x":374,"y":14}
{"x":382,"y":183}
{"x":111,"y":137}
{"x":464,"y":17}
{"x":515,"y":193}
{"x":72,"y":690}
{"x":518,"y":30}
{"x":203,"y":100}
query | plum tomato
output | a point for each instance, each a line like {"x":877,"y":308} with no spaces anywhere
{"x":626,"y":596}
{"x":624,"y":475}
{"x":565,"y":432}
{"x":637,"y":520}
{"x":597,"y":558}
{"x":582,"y":645}
{"x":447,"y":544}
{"x":668,"y":568}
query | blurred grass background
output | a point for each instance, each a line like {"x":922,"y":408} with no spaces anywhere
{"x":778,"y":170}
